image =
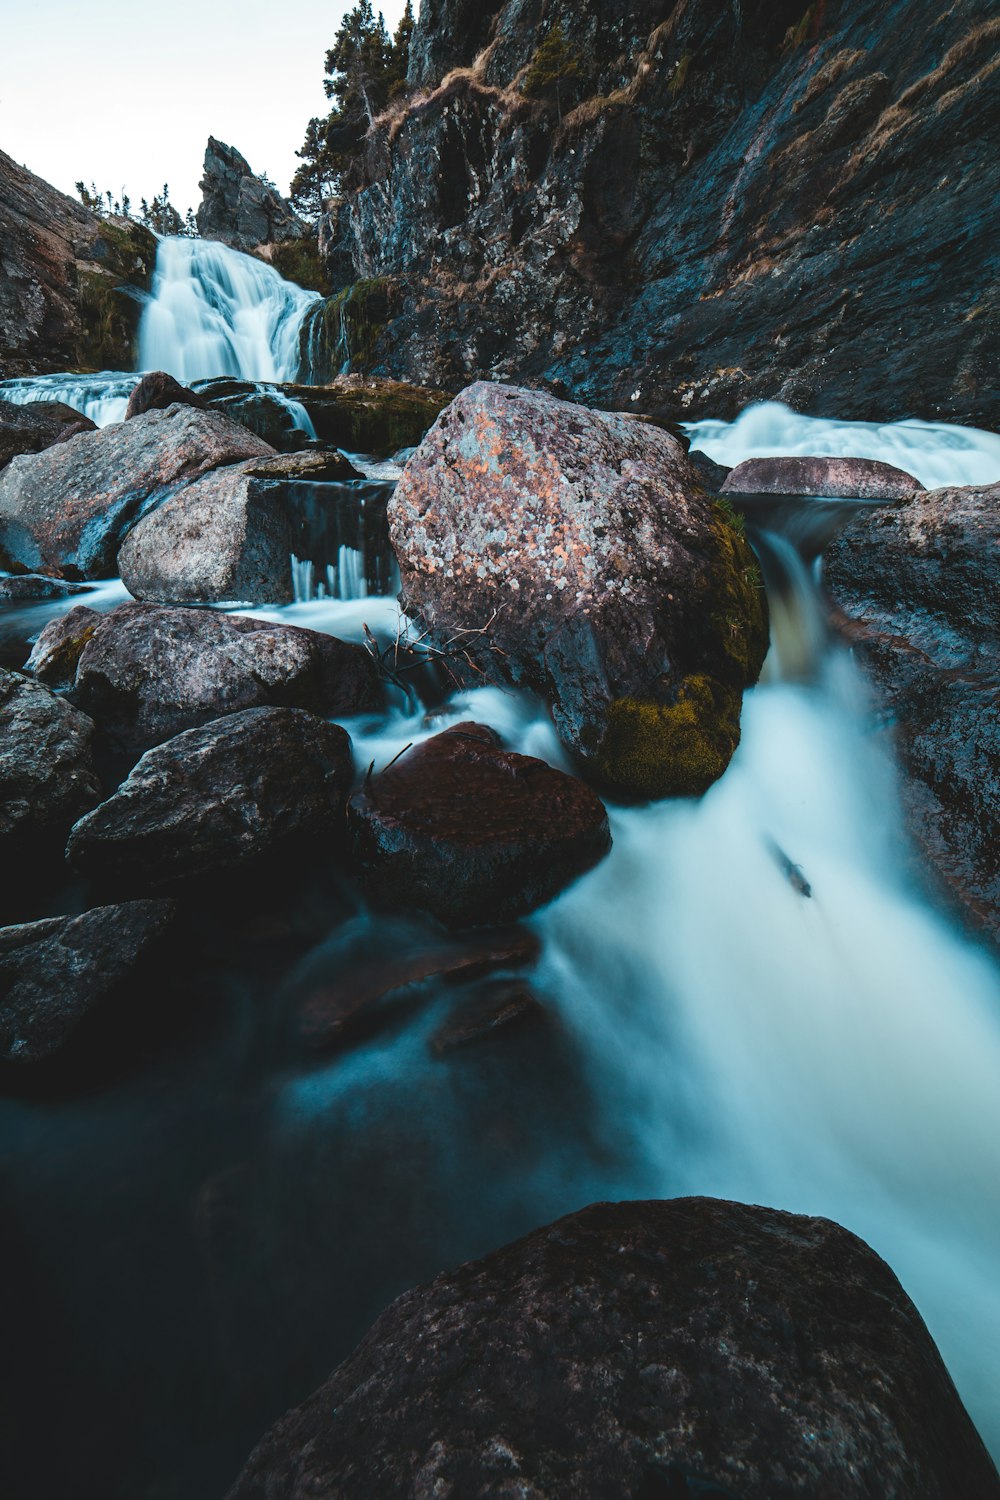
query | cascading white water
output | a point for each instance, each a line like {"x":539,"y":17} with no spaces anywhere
{"x":216,"y":312}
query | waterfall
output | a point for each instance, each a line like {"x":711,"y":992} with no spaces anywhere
{"x":215,"y":312}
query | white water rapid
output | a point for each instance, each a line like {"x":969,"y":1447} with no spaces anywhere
{"x":212,"y":312}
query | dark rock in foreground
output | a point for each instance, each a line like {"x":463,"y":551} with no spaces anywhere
{"x":147,"y":671}
{"x":66,"y":510}
{"x":223,"y":538}
{"x":54,"y":973}
{"x":47,"y":775}
{"x":218,"y":798}
{"x":921,"y":583}
{"x":694,"y":1347}
{"x":156,"y":391}
{"x":855,"y":478}
{"x":472,"y":834}
{"x":36,"y":425}
{"x":575,"y":552}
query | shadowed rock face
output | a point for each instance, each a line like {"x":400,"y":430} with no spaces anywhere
{"x":47,"y":774}
{"x":636,"y":1350}
{"x":728,"y":203}
{"x":921,"y":583}
{"x":37,"y":425}
{"x":575,"y":552}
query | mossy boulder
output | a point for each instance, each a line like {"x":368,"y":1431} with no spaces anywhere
{"x":299,"y":261}
{"x":575,"y":552}
{"x":111,"y":287}
{"x":370,"y":416}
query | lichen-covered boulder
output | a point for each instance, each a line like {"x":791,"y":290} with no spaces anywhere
{"x":56,"y":972}
{"x":218,"y":798}
{"x":641,"y":1351}
{"x":472,"y":834}
{"x":224,"y":537}
{"x":853,"y":478}
{"x":149,"y":671}
{"x":47,"y":774}
{"x":575,"y":552}
{"x":65,"y":511}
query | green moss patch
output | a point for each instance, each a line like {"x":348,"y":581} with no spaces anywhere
{"x":652,"y":750}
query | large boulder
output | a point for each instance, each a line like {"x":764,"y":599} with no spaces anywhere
{"x":575,"y":552}
{"x":47,"y":774}
{"x":239,"y":208}
{"x":856,"y":478}
{"x":66,"y":510}
{"x":147,"y":672}
{"x":920,"y":583}
{"x":36,"y":425}
{"x":472,"y":834}
{"x":56,"y":972}
{"x":224,"y":537}
{"x":218,"y":798}
{"x":641,"y":1350}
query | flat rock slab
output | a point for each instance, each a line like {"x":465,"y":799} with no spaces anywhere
{"x":633,"y":1350}
{"x":149,"y":671}
{"x":66,"y":510}
{"x":54,"y":973}
{"x":224,"y":537}
{"x":47,"y":774}
{"x":849,"y":478}
{"x":218,"y":798}
{"x":473,"y":834}
{"x":576,"y":552}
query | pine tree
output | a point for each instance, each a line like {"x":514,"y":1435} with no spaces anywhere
{"x":553,"y":70}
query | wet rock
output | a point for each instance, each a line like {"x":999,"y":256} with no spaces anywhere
{"x":18,"y":587}
{"x":856,"y":478}
{"x":472,"y":834}
{"x":239,"y":209}
{"x":47,"y":775}
{"x":218,"y":798}
{"x":266,"y":411}
{"x":156,"y":391}
{"x":65,"y":511}
{"x":498,"y":1005}
{"x":311,"y":467}
{"x":575,"y":552}
{"x":56,"y":653}
{"x":692,"y":1347}
{"x":358,"y":976}
{"x":36,"y":425}
{"x":224,"y":537}
{"x":148,"y":671}
{"x":55,"y":973}
{"x":920,"y":583}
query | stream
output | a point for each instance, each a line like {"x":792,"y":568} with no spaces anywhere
{"x":199,"y":1239}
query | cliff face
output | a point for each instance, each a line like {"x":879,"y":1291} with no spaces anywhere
{"x":238,"y":208}
{"x":708,"y":205}
{"x":71,"y":284}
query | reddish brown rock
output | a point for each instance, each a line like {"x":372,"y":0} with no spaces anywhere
{"x":66,"y":510}
{"x":852,"y":478}
{"x":156,"y":391}
{"x":576,"y":552}
{"x":147,"y":672}
{"x":497,"y":1005}
{"x":472,"y":834}
{"x":633,"y":1350}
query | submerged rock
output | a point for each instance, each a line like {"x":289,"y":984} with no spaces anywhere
{"x":36,"y":425}
{"x":497,"y":1005}
{"x":148,"y":671}
{"x":921,"y":583}
{"x":218,"y":798}
{"x":47,"y":774}
{"x":854,"y":478}
{"x":472,"y":834}
{"x":224,"y":537}
{"x":692,"y":1347}
{"x":18,"y":587}
{"x":156,"y":391}
{"x":576,"y":552}
{"x":54,"y":973}
{"x":66,"y":510}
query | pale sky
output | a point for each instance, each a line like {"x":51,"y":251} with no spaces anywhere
{"x":127,"y":95}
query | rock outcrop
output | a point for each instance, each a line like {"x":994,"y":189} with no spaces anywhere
{"x":156,"y":391}
{"x":217,"y":799}
{"x":56,"y":972}
{"x":65,"y":511}
{"x":575,"y":552}
{"x":693,"y":1347}
{"x":238,"y":208}
{"x":472,"y":834}
{"x":921,"y":584}
{"x":71,"y":284}
{"x":690,"y":207}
